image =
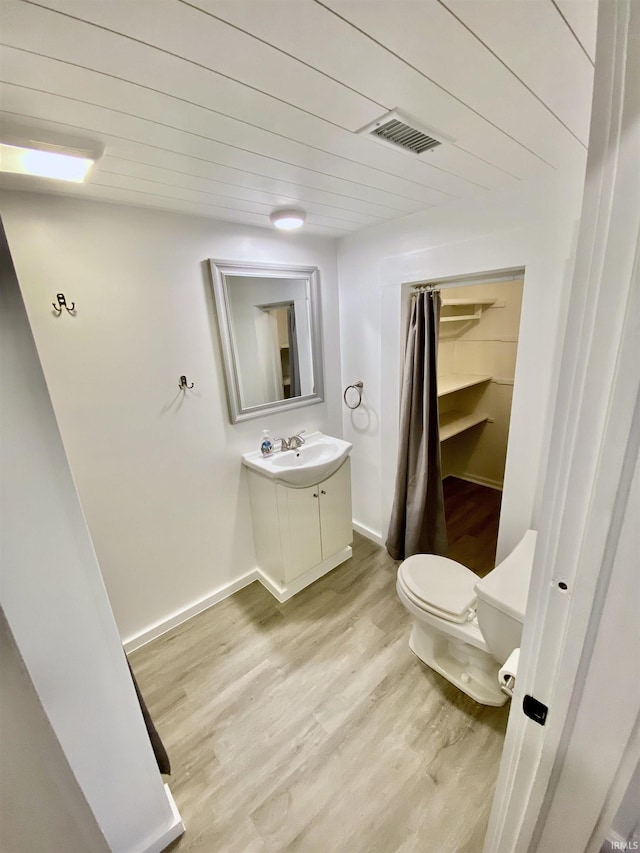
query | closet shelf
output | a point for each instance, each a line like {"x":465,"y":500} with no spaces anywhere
{"x":477,"y":304}
{"x":456,"y":302}
{"x":452,"y":423}
{"x":450,"y":382}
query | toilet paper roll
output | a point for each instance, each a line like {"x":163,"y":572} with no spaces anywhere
{"x":508,"y":673}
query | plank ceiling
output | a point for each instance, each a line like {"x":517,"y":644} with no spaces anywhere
{"x":231,"y":108}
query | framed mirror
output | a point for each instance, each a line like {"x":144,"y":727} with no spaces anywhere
{"x":269,"y":321}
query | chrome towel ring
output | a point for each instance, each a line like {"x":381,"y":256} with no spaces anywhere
{"x":357,"y":387}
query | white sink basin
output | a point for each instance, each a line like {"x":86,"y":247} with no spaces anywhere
{"x":318,"y":458}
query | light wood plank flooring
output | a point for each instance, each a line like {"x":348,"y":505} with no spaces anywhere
{"x":310,"y":726}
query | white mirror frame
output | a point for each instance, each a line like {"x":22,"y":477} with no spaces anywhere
{"x":219,"y":270}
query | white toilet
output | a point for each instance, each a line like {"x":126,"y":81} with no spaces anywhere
{"x":466,"y":628}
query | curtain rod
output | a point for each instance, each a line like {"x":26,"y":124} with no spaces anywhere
{"x":471,"y":280}
{"x":426,"y":288}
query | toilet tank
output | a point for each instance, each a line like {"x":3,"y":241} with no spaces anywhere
{"x":502,"y":599}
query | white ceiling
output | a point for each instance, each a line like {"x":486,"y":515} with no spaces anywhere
{"x":231,"y":108}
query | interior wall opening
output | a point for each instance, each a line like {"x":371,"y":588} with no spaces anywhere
{"x":477,"y":351}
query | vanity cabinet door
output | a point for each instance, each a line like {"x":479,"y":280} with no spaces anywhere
{"x":300,"y":535}
{"x":335,"y":511}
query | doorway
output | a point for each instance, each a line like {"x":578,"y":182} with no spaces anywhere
{"x":278,"y":350}
{"x":477,"y":350}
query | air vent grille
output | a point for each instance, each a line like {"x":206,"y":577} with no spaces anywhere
{"x":405,"y":136}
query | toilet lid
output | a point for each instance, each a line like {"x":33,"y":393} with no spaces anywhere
{"x":442,"y":586}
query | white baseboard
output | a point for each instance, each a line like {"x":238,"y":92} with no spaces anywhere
{"x":175,"y":830}
{"x":479,"y":481}
{"x":286,"y":591}
{"x":368,"y":533}
{"x":282,"y":593}
{"x":180,"y":616}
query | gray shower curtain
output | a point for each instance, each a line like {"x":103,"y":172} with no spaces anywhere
{"x":417,"y":520}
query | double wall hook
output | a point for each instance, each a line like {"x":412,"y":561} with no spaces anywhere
{"x":184,"y":384}
{"x":62,"y":303}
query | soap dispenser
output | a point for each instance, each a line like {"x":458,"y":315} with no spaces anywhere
{"x":266,"y":445}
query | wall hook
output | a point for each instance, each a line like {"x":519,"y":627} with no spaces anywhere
{"x":184,"y":384}
{"x":62,"y":303}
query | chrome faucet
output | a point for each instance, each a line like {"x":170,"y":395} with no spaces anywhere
{"x":296,"y":441}
{"x":291,"y":443}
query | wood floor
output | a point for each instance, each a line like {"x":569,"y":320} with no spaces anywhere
{"x":310,"y":726}
{"x":472,"y":513}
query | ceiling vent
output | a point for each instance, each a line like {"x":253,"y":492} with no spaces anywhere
{"x":400,"y":131}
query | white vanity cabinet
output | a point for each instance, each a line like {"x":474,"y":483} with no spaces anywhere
{"x":300,"y":533}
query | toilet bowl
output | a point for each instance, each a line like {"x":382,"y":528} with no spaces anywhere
{"x":466,"y":628}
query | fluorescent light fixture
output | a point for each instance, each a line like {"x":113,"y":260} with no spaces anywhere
{"x":47,"y":153}
{"x":43,"y":164}
{"x":288,"y":220}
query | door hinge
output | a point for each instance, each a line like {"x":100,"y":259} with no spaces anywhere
{"x":535,"y":710}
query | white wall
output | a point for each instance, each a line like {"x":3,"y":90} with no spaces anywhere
{"x":41,"y":805}
{"x":56,"y":607}
{"x":531,"y":227}
{"x":158,"y":472}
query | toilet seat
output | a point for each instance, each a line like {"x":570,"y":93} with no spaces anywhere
{"x":439,"y":586}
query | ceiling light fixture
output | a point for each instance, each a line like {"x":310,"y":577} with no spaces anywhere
{"x":43,"y":164}
{"x":288,"y":220}
{"x":47,"y":155}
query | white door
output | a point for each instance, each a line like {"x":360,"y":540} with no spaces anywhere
{"x":335,"y":511}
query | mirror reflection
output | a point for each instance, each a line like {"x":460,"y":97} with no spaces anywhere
{"x":269,"y":326}
{"x":270,"y":321}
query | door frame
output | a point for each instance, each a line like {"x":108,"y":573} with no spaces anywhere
{"x":587,"y":496}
